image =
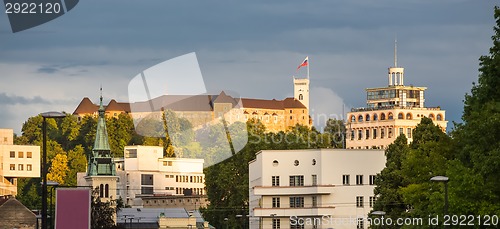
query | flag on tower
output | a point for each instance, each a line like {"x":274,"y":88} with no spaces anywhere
{"x":304,"y":63}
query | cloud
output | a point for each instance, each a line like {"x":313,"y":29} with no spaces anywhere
{"x":15,"y":99}
{"x":47,"y":69}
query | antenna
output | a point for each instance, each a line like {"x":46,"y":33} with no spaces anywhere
{"x":396,"y":52}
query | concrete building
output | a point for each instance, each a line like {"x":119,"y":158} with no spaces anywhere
{"x":318,"y":188}
{"x":145,"y":173}
{"x":276,"y":115}
{"x":391,"y":111}
{"x":16,"y":161}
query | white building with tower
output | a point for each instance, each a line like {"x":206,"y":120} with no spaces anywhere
{"x":391,"y":111}
{"x":315,"y":188}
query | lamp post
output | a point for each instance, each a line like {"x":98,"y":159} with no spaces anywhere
{"x":445,"y":181}
{"x":50,"y":114}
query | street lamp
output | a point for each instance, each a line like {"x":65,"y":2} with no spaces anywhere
{"x":50,"y":114}
{"x":445,"y":180}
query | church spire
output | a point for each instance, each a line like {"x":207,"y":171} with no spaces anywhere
{"x":101,"y":142}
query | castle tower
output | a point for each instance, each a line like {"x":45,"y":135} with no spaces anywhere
{"x":101,"y":172}
{"x":301,"y":91}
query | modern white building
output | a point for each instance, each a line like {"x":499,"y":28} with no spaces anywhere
{"x":144,"y":172}
{"x":318,"y":188}
{"x":16,"y":161}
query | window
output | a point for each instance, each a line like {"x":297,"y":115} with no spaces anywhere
{"x":382,"y":132}
{"x":372,"y":201}
{"x":390,"y":116}
{"x":12,"y":167}
{"x":28,"y":167}
{"x":375,"y":117}
{"x":20,"y":167}
{"x":400,"y":131}
{"x":372,"y":179}
{"x":276,"y":181}
{"x":12,"y":154}
{"x":360,"y":134}
{"x":375,"y":133}
{"x":359,"y":179}
{"x":101,"y":190}
{"x":146,"y":190}
{"x":382,"y":116}
{"x":314,"y":162}
{"x":276,"y":202}
{"x":400,"y":116}
{"x":360,"y":223}
{"x":297,"y":225}
{"x":167,"y":163}
{"x":296,"y":163}
{"x":291,"y":117}
{"x":146,"y":179}
{"x":106,"y":190}
{"x":359,"y":201}
{"x":314,"y":201}
{"x":20,"y":154}
{"x":301,"y":97}
{"x":296,"y":202}
{"x":360,"y":118}
{"x":431,"y":116}
{"x":345,"y":179}
{"x":408,"y":132}
{"x":276,"y":223}
{"x":367,"y":117}
{"x":275,"y":163}
{"x":314,"y":180}
{"x":367,"y":135}
{"x":408,"y":116}
{"x":28,"y":155}
{"x":353,"y":118}
{"x":352,"y":135}
{"x":296,"y":180}
{"x":390,"y":132}
{"x":439,"y":117}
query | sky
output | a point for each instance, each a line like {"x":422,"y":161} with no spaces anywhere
{"x":250,"y":47}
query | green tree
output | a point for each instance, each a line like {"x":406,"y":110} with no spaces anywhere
{"x":477,"y":144}
{"x":335,"y":129}
{"x":77,"y":162}
{"x":390,"y":180}
{"x":102,"y":213}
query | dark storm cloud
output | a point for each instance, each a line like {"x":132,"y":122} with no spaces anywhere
{"x":15,"y":99}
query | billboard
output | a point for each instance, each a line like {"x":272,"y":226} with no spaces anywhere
{"x":73,"y":208}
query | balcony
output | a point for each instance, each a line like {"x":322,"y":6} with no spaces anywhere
{"x":287,"y":212}
{"x":293,"y":190}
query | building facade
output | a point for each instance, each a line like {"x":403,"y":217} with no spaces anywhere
{"x":319,"y":188}
{"x":147,"y":179}
{"x":276,"y":115}
{"x":391,"y":111}
{"x":16,"y":161}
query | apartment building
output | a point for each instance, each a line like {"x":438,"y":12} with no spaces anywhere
{"x":16,"y":161}
{"x":318,"y":188}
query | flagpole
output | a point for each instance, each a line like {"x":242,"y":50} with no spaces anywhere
{"x":308,"y":63}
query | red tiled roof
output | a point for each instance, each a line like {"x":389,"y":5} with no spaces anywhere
{"x":114,"y":106}
{"x":86,"y":107}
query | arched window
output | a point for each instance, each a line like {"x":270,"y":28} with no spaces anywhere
{"x":101,"y":190}
{"x":353,"y":118}
{"x":408,"y":116}
{"x":106,"y":190}
{"x":400,"y":116}
{"x":382,"y":116}
{"x":301,"y":97}
{"x":375,"y":117}
{"x":431,"y":116}
{"x":390,"y":116}
{"x":367,"y":117}
{"x":360,"y":118}
{"x":439,"y":117}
